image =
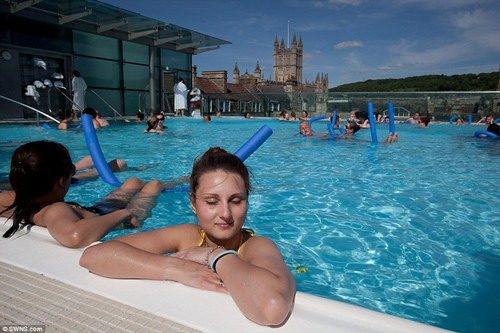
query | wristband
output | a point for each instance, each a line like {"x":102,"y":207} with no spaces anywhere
{"x":220,"y":255}
{"x":210,"y":252}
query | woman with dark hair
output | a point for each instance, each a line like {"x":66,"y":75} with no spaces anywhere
{"x":66,"y":117}
{"x":40,"y":175}
{"x":93,"y":113}
{"x":216,"y":254}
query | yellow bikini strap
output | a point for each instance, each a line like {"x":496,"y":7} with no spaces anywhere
{"x":202,"y":234}
{"x":243,"y":231}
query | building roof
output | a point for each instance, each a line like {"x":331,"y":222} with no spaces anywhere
{"x":207,"y":86}
{"x":97,"y":17}
{"x":236,"y":88}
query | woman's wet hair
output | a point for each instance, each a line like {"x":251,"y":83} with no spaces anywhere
{"x":216,"y":159}
{"x":34,"y":169}
{"x":353,"y":125}
{"x":152,"y":122}
{"x":90,"y":111}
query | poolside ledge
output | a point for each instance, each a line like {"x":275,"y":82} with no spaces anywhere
{"x":64,"y":296}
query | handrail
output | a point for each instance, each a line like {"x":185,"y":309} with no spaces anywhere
{"x":112,"y":108}
{"x":29,"y":107}
{"x":69,"y":99}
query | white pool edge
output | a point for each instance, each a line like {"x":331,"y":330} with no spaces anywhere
{"x":36,"y":251}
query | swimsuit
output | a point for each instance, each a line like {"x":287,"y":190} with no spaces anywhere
{"x":243,"y":231}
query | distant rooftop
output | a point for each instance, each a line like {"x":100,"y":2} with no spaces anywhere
{"x":97,"y":17}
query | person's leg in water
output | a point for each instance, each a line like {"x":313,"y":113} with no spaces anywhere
{"x":135,"y":196}
{"x":115,"y":166}
{"x":142,"y":204}
{"x":119,"y":199}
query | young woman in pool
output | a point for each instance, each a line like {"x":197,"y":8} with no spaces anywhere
{"x":40,"y":175}
{"x":66,"y":117}
{"x":217,"y":254}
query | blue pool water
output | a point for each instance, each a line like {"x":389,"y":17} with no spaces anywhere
{"x":410,"y":229}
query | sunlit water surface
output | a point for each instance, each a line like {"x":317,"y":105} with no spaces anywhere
{"x":410,"y":229}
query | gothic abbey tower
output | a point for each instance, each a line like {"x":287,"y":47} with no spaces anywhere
{"x":288,"y":62}
{"x":287,"y":71}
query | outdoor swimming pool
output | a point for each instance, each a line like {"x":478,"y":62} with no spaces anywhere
{"x":410,"y":229}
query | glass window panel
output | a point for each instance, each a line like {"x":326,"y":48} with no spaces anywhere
{"x":4,"y":28}
{"x":98,"y":72}
{"x":133,"y":52}
{"x":175,"y":60}
{"x":102,"y":97}
{"x":96,"y":46}
{"x":136,"y":77}
{"x":38,"y":35}
{"x":136,"y":101}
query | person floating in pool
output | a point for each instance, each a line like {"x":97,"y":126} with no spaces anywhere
{"x":493,"y":129}
{"x":103,"y":122}
{"x":85,"y":168}
{"x":414,"y":120}
{"x":93,"y":113}
{"x":155,"y":123}
{"x":486,"y":120}
{"x":424,"y":122}
{"x":66,"y":117}
{"x":139,"y":116}
{"x":216,"y":254}
{"x":304,"y":116}
{"x":284,"y":116}
{"x":40,"y":175}
{"x":350,"y":129}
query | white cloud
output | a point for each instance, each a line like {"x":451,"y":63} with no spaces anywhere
{"x":467,"y":19}
{"x":336,"y":4}
{"x":348,"y":45}
{"x":384,"y":68}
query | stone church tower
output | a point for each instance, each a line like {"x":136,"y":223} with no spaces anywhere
{"x":288,"y":62}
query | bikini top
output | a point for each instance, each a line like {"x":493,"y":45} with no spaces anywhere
{"x":243,"y":231}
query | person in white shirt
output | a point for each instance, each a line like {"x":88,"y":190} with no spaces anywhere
{"x":79,"y":88}
{"x":180,"y":98}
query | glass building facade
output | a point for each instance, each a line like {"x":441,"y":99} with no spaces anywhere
{"x":129,"y":64}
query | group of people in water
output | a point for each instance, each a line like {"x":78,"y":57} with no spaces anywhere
{"x":216,"y":254}
{"x":69,"y":116}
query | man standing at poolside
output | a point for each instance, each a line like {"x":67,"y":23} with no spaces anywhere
{"x":79,"y":88}
{"x":180,"y":98}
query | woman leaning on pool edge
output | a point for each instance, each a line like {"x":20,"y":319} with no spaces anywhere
{"x":217,"y":254}
{"x":40,"y":175}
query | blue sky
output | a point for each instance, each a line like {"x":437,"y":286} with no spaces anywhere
{"x":350,"y":40}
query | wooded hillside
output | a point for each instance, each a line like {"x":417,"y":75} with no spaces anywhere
{"x":463,"y":82}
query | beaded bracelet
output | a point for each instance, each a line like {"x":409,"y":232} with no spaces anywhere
{"x":210,"y":252}
{"x":220,"y":255}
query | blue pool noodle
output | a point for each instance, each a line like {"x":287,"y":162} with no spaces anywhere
{"x":480,"y":134}
{"x":96,"y":153}
{"x":316,"y":118}
{"x":331,"y":126}
{"x":496,"y":120}
{"x":392,"y":127}
{"x":254,"y":142}
{"x":372,"y":122}
{"x":470,"y":119}
{"x":107,"y":175}
{"x":243,"y":153}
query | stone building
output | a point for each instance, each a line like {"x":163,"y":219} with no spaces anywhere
{"x":287,"y":71}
